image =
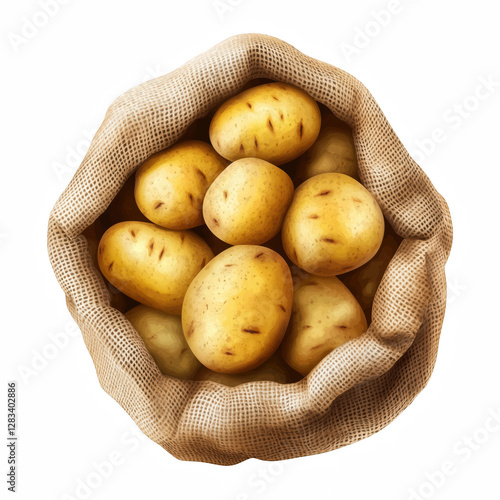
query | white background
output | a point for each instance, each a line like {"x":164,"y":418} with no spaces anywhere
{"x":424,"y":67}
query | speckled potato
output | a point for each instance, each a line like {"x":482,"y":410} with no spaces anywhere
{"x":163,"y":338}
{"x":325,"y":315}
{"x":274,"y":369}
{"x":333,"y":151}
{"x":117,"y":299}
{"x":170,"y":185}
{"x":333,"y":225}
{"x":236,"y":310}
{"x":247,"y":202}
{"x":364,"y":281}
{"x":150,"y":264}
{"x":276,"y":122}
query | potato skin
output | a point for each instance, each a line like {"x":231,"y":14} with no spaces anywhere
{"x":274,"y":370}
{"x":325,"y":315}
{"x":364,"y":281}
{"x":236,"y":310}
{"x":150,"y":264}
{"x":276,"y":122}
{"x":163,"y":338}
{"x":117,"y":299}
{"x":333,"y":225}
{"x":247,"y":202}
{"x":170,"y":185}
{"x":333,"y":151}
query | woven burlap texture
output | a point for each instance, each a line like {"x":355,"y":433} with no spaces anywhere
{"x":356,"y":390}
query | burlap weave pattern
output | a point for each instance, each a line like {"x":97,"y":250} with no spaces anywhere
{"x":356,"y":390}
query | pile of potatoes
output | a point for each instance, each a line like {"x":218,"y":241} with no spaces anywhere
{"x":248,"y":250}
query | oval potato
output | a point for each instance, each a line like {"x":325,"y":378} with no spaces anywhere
{"x":117,"y":299}
{"x":150,"y":264}
{"x":170,"y":185}
{"x":247,"y":202}
{"x":333,"y":151}
{"x":236,"y":310}
{"x":163,"y":338}
{"x":333,"y":225}
{"x":274,"y":370}
{"x":325,"y":315}
{"x":364,"y":281}
{"x":276,"y":122}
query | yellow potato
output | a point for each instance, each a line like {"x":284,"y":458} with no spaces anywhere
{"x":117,"y":299}
{"x":247,"y":202}
{"x":364,"y":281}
{"x":163,"y":337}
{"x":170,"y":185}
{"x":276,"y":122}
{"x":325,"y":315}
{"x":333,"y":151}
{"x":333,"y":225}
{"x":150,"y":264}
{"x":236,"y":310}
{"x":274,"y":370}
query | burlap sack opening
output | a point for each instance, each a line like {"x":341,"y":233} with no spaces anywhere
{"x":356,"y":390}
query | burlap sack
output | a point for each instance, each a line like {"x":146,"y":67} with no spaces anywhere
{"x":356,"y":390}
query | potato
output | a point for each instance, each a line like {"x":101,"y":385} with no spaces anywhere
{"x":333,"y":151}
{"x":236,"y":310}
{"x":117,"y":299}
{"x":170,"y":185}
{"x":325,"y":315}
{"x":333,"y":225}
{"x":247,"y":202}
{"x":163,"y":337}
{"x":150,"y":264}
{"x":276,"y":122}
{"x":274,"y":369}
{"x":364,"y":281}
